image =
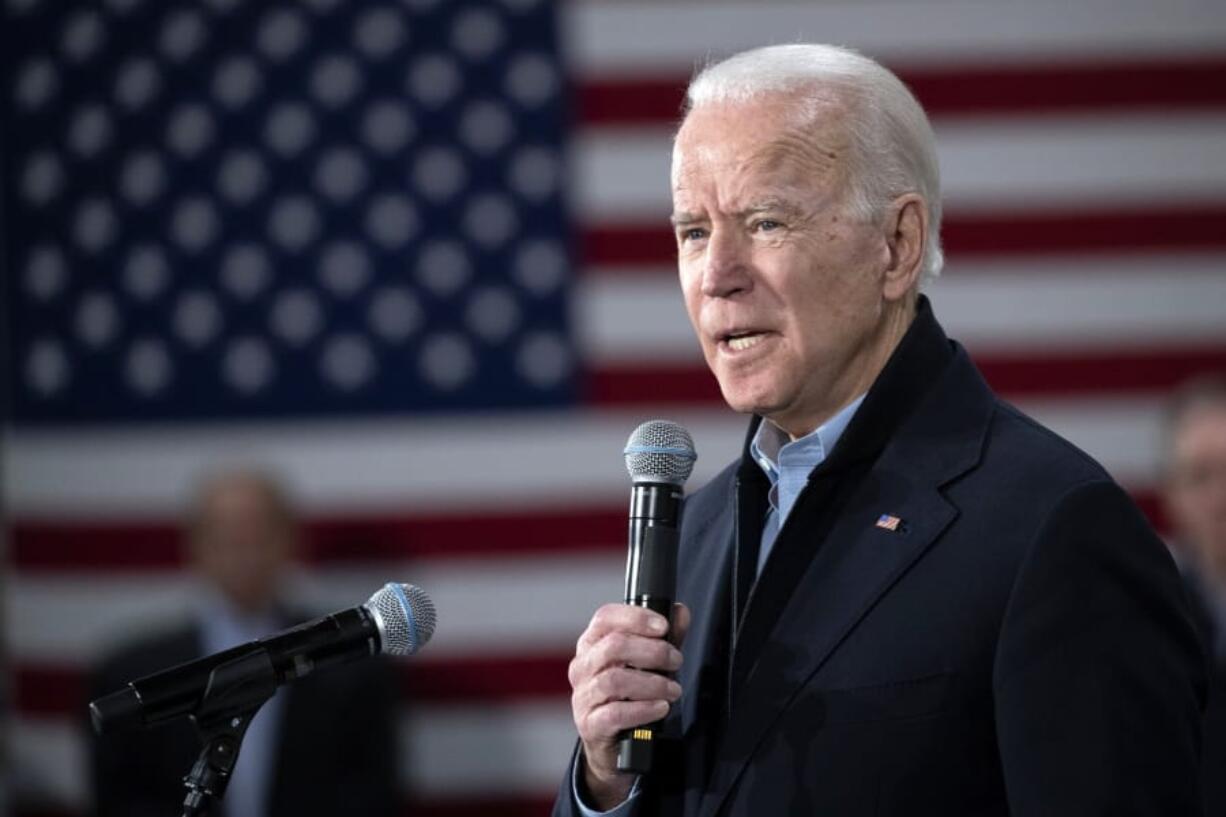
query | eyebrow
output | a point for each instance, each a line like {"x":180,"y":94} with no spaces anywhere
{"x":764,"y":206}
{"x":767,"y":205}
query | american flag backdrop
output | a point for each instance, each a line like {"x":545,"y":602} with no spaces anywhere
{"x":414,"y":256}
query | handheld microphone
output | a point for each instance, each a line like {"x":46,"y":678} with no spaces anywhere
{"x":659,"y":456}
{"x":398,"y":620}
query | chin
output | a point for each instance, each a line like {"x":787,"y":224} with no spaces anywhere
{"x":745,"y":400}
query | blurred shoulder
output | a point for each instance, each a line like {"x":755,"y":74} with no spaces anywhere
{"x":138,"y":655}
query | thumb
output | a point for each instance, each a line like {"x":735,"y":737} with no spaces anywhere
{"x":680,"y":624}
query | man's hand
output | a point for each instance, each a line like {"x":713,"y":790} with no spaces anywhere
{"x":616,"y":686}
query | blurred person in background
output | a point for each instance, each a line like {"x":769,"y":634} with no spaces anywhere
{"x":1195,"y":484}
{"x":325,"y":745}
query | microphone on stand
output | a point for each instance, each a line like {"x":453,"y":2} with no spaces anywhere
{"x":659,"y":456}
{"x":397,"y":620}
{"x":222,"y":692}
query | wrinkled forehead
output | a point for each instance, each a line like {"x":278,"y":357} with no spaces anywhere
{"x":780,"y":140}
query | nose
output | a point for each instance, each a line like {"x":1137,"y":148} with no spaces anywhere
{"x":726,"y":264}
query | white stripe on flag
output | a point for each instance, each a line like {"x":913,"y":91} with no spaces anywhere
{"x":627,"y":38}
{"x":637,"y":314}
{"x":1107,"y":159}
{"x":491,"y":607}
{"x":427,"y":466}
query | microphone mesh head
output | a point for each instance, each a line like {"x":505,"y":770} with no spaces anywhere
{"x":660,"y":451}
{"x":404,"y":615}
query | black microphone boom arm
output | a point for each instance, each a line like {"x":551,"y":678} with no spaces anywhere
{"x":290,"y":655}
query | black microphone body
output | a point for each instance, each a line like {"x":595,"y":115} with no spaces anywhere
{"x":651,"y":565}
{"x":297,"y":652}
{"x":659,"y":457}
{"x":651,"y":582}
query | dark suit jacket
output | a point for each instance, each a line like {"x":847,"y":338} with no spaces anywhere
{"x":337,"y":751}
{"x":1019,"y":645}
{"x":1214,"y":761}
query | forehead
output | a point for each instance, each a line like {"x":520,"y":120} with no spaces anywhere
{"x":777,"y":141}
{"x":238,"y":495}
{"x":1204,"y":419}
{"x":1199,"y":433}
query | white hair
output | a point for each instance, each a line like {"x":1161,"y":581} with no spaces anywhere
{"x":893,"y":147}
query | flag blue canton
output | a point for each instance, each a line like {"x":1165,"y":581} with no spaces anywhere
{"x":236,"y":209}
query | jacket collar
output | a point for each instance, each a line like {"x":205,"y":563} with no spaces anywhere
{"x":921,"y":425}
{"x":903,"y":382}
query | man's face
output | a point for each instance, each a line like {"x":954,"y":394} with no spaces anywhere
{"x":242,"y":542}
{"x":783,"y":284}
{"x":1196,"y":489}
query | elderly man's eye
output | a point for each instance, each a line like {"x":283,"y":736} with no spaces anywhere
{"x":693,"y":234}
{"x":766,"y":225}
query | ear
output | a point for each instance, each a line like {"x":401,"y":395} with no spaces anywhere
{"x":906,"y":234}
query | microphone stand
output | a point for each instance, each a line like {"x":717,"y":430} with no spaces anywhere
{"x":236,"y":690}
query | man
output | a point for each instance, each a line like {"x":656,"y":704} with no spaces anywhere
{"x":906,"y":598}
{"x":1196,"y":502}
{"x":325,"y":745}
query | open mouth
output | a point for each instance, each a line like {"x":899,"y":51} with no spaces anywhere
{"x":740,"y":341}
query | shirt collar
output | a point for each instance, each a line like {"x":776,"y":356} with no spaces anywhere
{"x":223,"y":625}
{"x":771,"y":444}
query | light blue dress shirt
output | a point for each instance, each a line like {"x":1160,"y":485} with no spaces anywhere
{"x":222,"y":627}
{"x":787,"y":464}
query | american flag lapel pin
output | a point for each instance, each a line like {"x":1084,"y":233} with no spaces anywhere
{"x":890,"y":522}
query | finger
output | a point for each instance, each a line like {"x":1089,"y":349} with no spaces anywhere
{"x":602,"y":724}
{"x":624,"y":618}
{"x":621,"y":649}
{"x":624,"y":684}
{"x":680,"y":625}
{"x":617,"y":649}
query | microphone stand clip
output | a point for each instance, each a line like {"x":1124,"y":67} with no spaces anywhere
{"x":235,"y":692}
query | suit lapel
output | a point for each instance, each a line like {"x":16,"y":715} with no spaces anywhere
{"x":704,"y":588}
{"x":857,"y":565}
{"x":815,"y":590}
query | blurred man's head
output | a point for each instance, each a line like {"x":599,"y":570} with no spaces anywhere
{"x":1196,"y":471}
{"x":241,"y":535}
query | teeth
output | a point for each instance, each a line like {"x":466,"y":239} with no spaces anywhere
{"x":740,"y":344}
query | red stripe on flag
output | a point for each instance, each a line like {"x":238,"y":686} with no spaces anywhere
{"x":38,"y":544}
{"x":632,"y":384}
{"x":1066,"y":232}
{"x":50,"y":546}
{"x":62,"y":690}
{"x":617,"y":245}
{"x":1078,"y":231}
{"x":1152,"y":506}
{"x":964,"y":90}
{"x":568,"y":531}
{"x":49,"y":690}
{"x":1114,"y":371}
{"x":483,"y":679}
{"x":1015,"y":376}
